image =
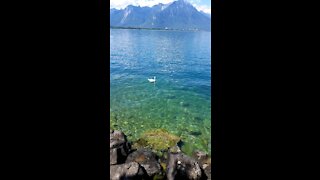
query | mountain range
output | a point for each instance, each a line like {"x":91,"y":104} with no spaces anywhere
{"x":176,"y":15}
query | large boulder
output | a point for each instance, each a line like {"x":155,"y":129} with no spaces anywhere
{"x":128,"y":171}
{"x":148,"y":160}
{"x":180,"y":166}
{"x":119,"y":147}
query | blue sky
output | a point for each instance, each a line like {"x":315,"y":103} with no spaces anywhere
{"x":204,"y":5}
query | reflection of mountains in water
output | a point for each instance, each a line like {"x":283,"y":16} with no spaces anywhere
{"x":177,"y":15}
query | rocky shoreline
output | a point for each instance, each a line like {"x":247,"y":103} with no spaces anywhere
{"x":133,"y":161}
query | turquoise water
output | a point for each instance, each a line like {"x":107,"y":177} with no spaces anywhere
{"x":179,"y":101}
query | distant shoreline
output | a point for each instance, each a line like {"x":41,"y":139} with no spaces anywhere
{"x":163,"y":29}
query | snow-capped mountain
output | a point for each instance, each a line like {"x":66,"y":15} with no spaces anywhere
{"x":176,"y":15}
{"x":206,"y":14}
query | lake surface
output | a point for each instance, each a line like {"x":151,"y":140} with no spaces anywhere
{"x":179,"y":101}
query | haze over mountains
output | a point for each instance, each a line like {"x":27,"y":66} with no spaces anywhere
{"x":176,"y":15}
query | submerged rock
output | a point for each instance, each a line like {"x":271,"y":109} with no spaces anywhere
{"x":159,"y":139}
{"x":128,"y":171}
{"x":198,"y":119}
{"x":184,"y":104}
{"x":148,"y":160}
{"x":119,"y":147}
{"x":187,"y":148}
{"x":140,"y":143}
{"x":195,"y":133}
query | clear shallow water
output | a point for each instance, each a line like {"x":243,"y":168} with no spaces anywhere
{"x":180,"y":100}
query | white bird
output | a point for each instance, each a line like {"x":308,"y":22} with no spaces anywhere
{"x":152,"y":80}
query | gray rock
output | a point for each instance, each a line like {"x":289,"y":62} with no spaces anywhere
{"x":117,"y":138}
{"x":148,"y":160}
{"x":128,"y":171}
{"x":204,"y":161}
{"x":180,"y":166}
{"x":207,"y":170}
{"x":119,"y":147}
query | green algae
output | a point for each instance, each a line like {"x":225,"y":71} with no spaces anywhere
{"x":193,"y":127}
{"x":187,"y":148}
{"x":157,"y":139}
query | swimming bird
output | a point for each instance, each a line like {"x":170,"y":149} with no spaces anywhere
{"x":152,"y":80}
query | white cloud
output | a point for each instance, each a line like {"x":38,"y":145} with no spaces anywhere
{"x":204,"y":8}
{"x":195,"y":1}
{"x":121,"y":4}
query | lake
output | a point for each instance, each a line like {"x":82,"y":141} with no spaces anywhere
{"x":179,"y":101}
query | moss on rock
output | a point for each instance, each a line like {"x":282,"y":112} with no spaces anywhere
{"x":159,"y":139}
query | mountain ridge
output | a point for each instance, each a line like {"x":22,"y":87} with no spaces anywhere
{"x":176,"y":15}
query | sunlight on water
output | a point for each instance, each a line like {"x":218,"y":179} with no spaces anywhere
{"x":179,"y":101}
